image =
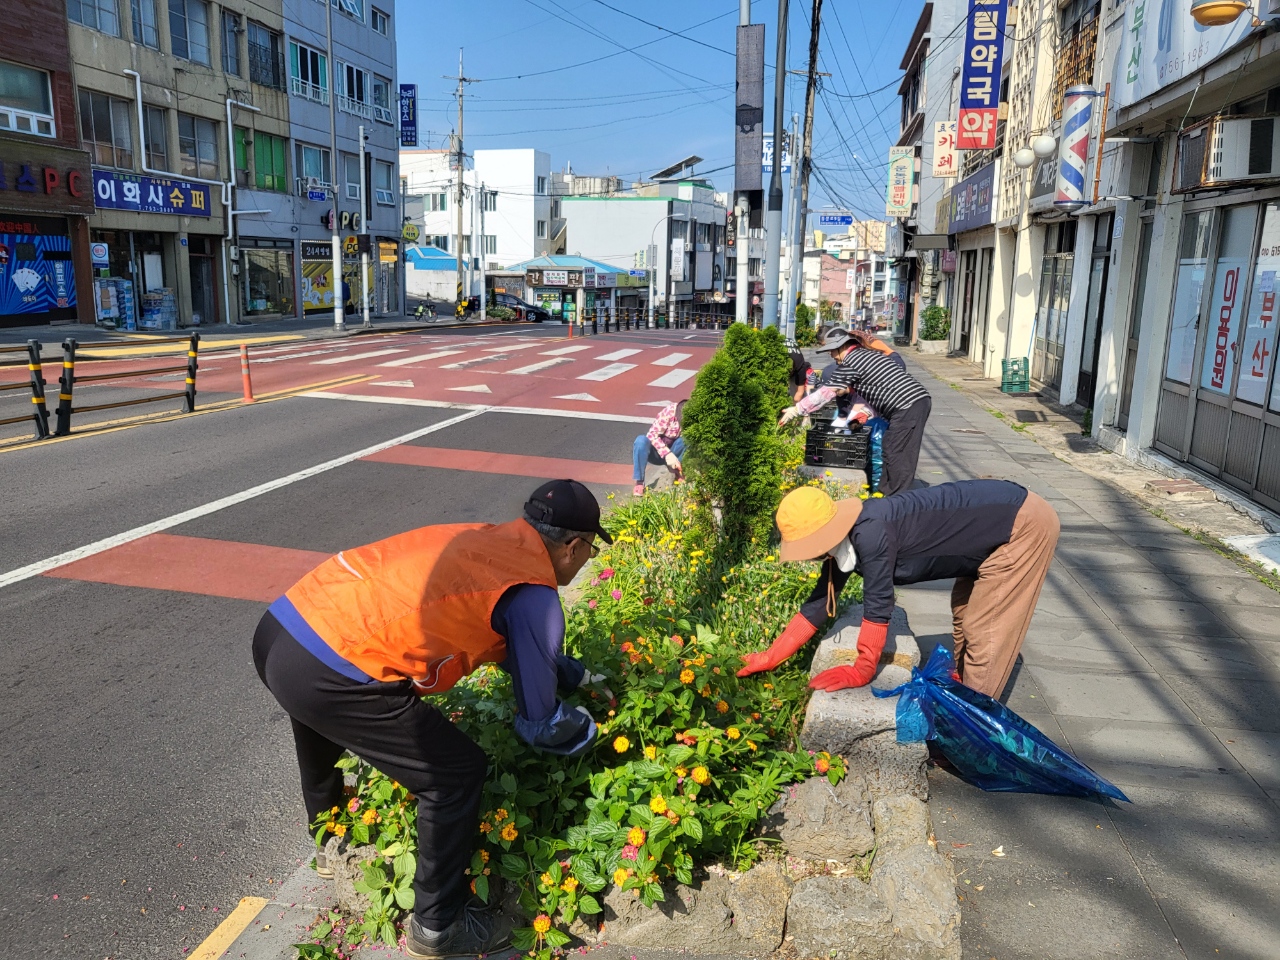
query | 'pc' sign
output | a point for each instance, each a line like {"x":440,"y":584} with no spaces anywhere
{"x":980,"y":75}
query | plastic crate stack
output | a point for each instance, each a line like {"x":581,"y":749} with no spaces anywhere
{"x":825,"y":447}
{"x":1015,"y":376}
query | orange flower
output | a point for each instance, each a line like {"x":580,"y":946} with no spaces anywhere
{"x":485,"y":826}
{"x":570,"y":884}
{"x":541,"y":924}
{"x":822,"y":765}
{"x":635,"y":836}
{"x":733,"y":733}
{"x":722,"y":707}
{"x":509,"y":832}
{"x":484,"y":856}
{"x":686,"y":675}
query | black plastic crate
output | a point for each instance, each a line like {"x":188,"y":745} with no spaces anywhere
{"x":824,"y":447}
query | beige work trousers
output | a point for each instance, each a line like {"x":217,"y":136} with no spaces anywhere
{"x":991,"y":612}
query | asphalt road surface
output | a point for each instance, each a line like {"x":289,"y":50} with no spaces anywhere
{"x":152,"y":782}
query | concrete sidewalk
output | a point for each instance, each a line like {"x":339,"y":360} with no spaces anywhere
{"x":1155,"y":659}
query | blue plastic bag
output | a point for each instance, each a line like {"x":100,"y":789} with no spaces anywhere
{"x":876,"y":427}
{"x":989,"y":745}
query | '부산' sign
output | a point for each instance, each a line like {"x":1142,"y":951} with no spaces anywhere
{"x":980,"y":75}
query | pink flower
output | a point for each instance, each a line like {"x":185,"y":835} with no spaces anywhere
{"x":592,"y":604}
{"x":354,"y":805}
{"x":594,"y":581}
{"x":606,"y":573}
{"x":630,"y":851}
{"x":616,"y":594}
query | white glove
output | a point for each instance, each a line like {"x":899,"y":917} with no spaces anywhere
{"x":673,"y":462}
{"x":588,"y":677}
{"x":788,"y":415}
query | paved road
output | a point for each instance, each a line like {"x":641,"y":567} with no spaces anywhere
{"x":152,"y":782}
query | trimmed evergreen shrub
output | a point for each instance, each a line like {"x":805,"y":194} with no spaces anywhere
{"x":806,"y":333}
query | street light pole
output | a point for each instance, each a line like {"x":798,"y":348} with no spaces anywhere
{"x":364,"y":232}
{"x":773,"y":211}
{"x":339,"y":323}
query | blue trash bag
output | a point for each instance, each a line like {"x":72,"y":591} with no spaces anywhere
{"x":989,"y":745}
{"x":876,"y":428}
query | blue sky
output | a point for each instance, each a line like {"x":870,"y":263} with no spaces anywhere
{"x":557,"y":75}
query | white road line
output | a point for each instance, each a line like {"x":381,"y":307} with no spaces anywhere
{"x":511,"y":348}
{"x":691,"y":336}
{"x":563,"y":350}
{"x":474,"y":361}
{"x":674,"y":378}
{"x":609,"y":372}
{"x":168,"y":523}
{"x":671,"y":359}
{"x":359,"y":356}
{"x":421,"y":358}
{"x":618,"y":355}
{"x":531,"y":411}
{"x":293,"y":356}
{"x":542,"y":365}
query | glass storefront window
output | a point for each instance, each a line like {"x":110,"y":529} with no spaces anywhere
{"x":1226,"y":302}
{"x":268,"y":282}
{"x":1193,"y":256}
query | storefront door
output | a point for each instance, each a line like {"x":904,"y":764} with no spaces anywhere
{"x":1093,"y":310}
{"x":1220,"y":409}
{"x":969,"y":261}
{"x":1135,"y":325}
{"x":204,"y":297}
{"x":1055,"y":292}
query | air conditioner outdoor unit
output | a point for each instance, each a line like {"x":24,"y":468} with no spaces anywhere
{"x":1223,"y":151}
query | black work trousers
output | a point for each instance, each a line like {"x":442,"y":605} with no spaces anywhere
{"x":388,"y":726}
{"x":900,"y":448}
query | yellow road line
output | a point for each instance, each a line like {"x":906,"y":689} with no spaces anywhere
{"x":128,"y":423}
{"x":216,"y":944}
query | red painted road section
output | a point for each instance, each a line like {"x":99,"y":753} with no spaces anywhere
{"x":212,"y":568}
{"x":477,"y":461}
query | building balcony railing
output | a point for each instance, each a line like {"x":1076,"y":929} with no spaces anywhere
{"x":309,"y":91}
{"x":1074,"y":63}
{"x":352,"y":105}
{"x":266,"y":67}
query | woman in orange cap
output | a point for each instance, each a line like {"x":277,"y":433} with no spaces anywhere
{"x":994,"y":537}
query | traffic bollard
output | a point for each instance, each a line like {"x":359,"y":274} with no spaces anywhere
{"x":244,"y":373}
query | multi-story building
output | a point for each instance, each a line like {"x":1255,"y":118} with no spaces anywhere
{"x":848,"y":273}
{"x":208,"y":122}
{"x":570,"y":184}
{"x":517,"y":203}
{"x":48,"y":186}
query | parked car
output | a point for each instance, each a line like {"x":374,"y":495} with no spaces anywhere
{"x":524,"y":310}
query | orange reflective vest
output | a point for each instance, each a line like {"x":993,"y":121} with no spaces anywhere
{"x":417,"y":605}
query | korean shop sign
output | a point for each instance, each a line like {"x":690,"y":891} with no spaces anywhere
{"x":980,"y":75}
{"x":902,"y":175}
{"x":126,"y":191}
{"x":44,"y":179}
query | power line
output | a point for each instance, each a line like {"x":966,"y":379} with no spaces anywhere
{"x":658,"y":26}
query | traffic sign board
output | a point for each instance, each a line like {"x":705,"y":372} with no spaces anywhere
{"x":317,"y":195}
{"x":835,"y":219}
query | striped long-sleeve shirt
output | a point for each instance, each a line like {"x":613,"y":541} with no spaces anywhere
{"x":884,"y":384}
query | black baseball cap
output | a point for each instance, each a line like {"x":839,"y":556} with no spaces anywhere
{"x":566,"y":504}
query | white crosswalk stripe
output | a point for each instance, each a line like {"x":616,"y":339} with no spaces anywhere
{"x":510,"y":347}
{"x":673,"y":379}
{"x":475,"y":361}
{"x":618,"y":355}
{"x":541,"y":365}
{"x":563,"y":350}
{"x":420,"y":358}
{"x":671,"y":359}
{"x":609,"y":372}
{"x":358,"y":356}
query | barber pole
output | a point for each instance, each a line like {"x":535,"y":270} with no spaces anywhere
{"x":1073,"y":147}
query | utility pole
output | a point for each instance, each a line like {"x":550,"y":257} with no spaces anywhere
{"x":364,"y":232}
{"x":484,"y":292}
{"x":339,"y":324}
{"x":789,"y":307}
{"x":773,"y":211}
{"x":460,"y":159}
{"x":806,"y":149}
{"x":741,"y":210}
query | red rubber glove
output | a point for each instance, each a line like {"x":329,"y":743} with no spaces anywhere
{"x":870,"y":645}
{"x":798,"y":632}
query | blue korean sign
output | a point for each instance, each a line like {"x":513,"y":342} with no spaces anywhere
{"x":835,"y":219}
{"x":973,"y":200}
{"x":408,"y":114}
{"x":317,"y":195}
{"x":127,"y":191}
{"x":980,"y":75}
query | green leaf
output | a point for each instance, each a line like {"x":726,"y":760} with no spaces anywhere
{"x":679,"y":753}
{"x":684,"y":875}
{"x":649,"y":770}
{"x":482,"y":888}
{"x":692,"y":828}
{"x":588,"y":904}
{"x":393,"y":849}
{"x":641,"y":815}
{"x":617,"y":811}
{"x":508,"y":782}
{"x":604,"y":831}
{"x":524,"y":938}
{"x":658,"y":827}
{"x":404,"y":897}
{"x":556,"y":873}
{"x":360,"y":833}
{"x":406,"y":864}
{"x":833,"y":775}
{"x":651,"y":894}
{"x":512,"y":867}
{"x":555,"y":938}
{"x":387,"y":933}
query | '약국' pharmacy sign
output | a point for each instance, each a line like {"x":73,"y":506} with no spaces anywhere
{"x":980,"y":75}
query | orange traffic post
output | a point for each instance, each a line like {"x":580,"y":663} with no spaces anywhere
{"x":244,"y":373}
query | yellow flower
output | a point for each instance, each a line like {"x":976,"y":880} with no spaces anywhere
{"x":331,"y":826}
{"x":370,"y":816}
{"x":509,"y":832}
{"x":500,"y":815}
{"x":700,"y":775}
{"x":335,"y":809}
{"x":619,"y":877}
{"x":651,"y":752}
{"x":681,"y":772}
{"x":541,"y":924}
{"x":340,"y":829}
{"x":546,"y":880}
{"x":635,"y":836}
{"x":621,"y":744}
{"x":697,"y":553}
{"x":485,"y":826}
{"x":751,"y":745}
{"x":733,"y":733}
{"x":769,"y":558}
{"x":721,"y":707}
{"x":484,"y":856}
{"x":686,"y":676}
{"x":658,"y":805}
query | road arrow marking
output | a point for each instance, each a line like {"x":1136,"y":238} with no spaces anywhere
{"x":478,"y":388}
{"x":392,"y":383}
{"x":586,"y":397}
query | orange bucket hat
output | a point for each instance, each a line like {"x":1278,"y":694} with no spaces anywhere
{"x":811,"y":523}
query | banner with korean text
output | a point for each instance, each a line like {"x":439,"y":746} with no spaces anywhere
{"x":980,"y":75}
{"x":902,"y":169}
{"x":127,"y":191}
{"x":946,"y":158}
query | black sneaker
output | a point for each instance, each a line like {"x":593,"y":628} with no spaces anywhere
{"x":474,"y":932}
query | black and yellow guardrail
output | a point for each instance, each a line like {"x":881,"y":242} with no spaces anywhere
{"x":38,"y":413}
{"x":604,"y":320}
{"x":66,"y":383}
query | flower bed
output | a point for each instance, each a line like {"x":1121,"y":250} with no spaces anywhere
{"x":689,"y":756}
